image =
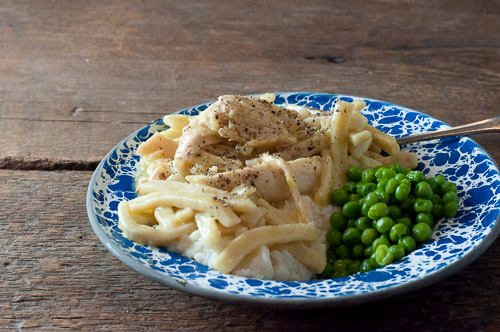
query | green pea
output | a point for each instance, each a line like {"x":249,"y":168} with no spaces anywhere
{"x":421,"y":232}
{"x":358,"y":251}
{"x":373,"y":260}
{"x":423,"y":190}
{"x":437,"y":211}
{"x":378,"y":210}
{"x":340,"y":274}
{"x":339,"y":197}
{"x":351,"y":236}
{"x":396,"y":168}
{"x":382,"y":196}
{"x":405,"y":221}
{"x":343,"y":251}
{"x":407,"y":182}
{"x":402,"y":192}
{"x":395,"y":212}
{"x":353,"y":198}
{"x":365,"y":266}
{"x":327,"y":271}
{"x":363,"y":223}
{"x":353,"y":268}
{"x":350,"y":187}
{"x":371,"y":199}
{"x":338,"y":221}
{"x":334,"y":237}
{"x":379,"y":241}
{"x":415,"y":176}
{"x":408,"y":243}
{"x":422,"y":205}
{"x":341,"y":264}
{"x":384,"y":224}
{"x":439,"y":179}
{"x":383,"y":255}
{"x":397,"y":251}
{"x":384,"y":173}
{"x":398,"y":231}
{"x":450,"y":196}
{"x":368,"y":235}
{"x":351,"y":223}
{"x":354,"y":173}
{"x":432,"y":183}
{"x":382,"y":183}
{"x":368,"y":251}
{"x":368,"y":175}
{"x":351,"y":209}
{"x":364,"y":189}
{"x":364,"y":209}
{"x":399,"y":177}
{"x":450,"y":209}
{"x":379,"y":173}
{"x":425,"y":218}
{"x":388,"y":173}
{"x":448,"y":186}
{"x":391,"y":186}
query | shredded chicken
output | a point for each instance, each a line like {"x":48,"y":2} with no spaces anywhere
{"x":251,"y":126}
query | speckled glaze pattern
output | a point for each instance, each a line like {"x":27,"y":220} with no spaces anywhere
{"x":455,"y":242}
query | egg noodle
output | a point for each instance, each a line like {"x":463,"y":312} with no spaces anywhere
{"x":244,"y":186}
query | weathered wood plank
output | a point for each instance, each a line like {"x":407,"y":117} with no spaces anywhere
{"x":83,"y":76}
{"x":56,"y":274}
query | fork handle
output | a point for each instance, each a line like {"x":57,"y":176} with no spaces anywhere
{"x":484,"y":126}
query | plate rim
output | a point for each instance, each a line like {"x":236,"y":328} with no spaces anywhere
{"x":284,"y":302}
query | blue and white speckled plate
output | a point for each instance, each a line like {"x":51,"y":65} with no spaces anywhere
{"x":456,"y":242}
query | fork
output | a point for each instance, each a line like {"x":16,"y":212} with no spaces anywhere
{"x":484,"y":126}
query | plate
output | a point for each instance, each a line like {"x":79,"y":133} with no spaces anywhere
{"x":455,"y":243}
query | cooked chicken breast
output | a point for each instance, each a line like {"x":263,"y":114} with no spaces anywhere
{"x":269,"y":180}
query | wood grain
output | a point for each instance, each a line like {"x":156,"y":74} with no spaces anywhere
{"x":56,"y":274}
{"x":77,"y":78}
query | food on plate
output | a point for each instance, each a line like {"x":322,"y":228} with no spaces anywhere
{"x":244,"y":187}
{"x":385,"y":212}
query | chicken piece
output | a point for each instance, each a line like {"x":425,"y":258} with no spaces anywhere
{"x":255,"y":123}
{"x":268,"y":180}
{"x":208,"y":163}
{"x":160,"y":169}
{"x":195,"y":137}
{"x":309,"y":147}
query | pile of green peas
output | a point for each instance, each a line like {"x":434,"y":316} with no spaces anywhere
{"x":386,"y":212}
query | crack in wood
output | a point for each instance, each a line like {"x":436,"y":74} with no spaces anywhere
{"x":46,"y":164}
{"x":331,"y":59}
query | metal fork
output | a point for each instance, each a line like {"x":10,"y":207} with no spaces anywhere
{"x":484,"y":126}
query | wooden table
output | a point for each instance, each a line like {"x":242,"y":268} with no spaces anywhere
{"x":78,"y":76}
